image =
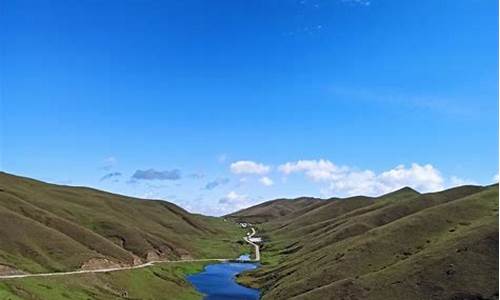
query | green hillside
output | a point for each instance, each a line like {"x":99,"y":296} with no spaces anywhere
{"x":161,"y":282}
{"x":271,"y":210}
{"x":49,"y":228}
{"x":403,"y":245}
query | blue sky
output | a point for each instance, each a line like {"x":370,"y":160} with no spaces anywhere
{"x":216,"y":105}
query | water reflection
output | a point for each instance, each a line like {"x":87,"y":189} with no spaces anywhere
{"x":217,"y":281}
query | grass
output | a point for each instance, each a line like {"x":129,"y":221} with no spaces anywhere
{"x":163,"y":281}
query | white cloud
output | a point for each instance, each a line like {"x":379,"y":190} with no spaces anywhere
{"x":232,"y":202}
{"x":355,"y":183}
{"x":266,"y":181}
{"x":234,"y":197}
{"x":495,"y":178}
{"x":317,"y":170}
{"x":249,"y":167}
{"x":424,"y":178}
{"x":457,"y":181}
{"x":344,"y":180}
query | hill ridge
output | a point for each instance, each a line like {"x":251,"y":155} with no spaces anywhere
{"x":403,"y":245}
{"x":49,"y":227}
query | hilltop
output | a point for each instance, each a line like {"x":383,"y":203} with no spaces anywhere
{"x":273,"y":209}
{"x":403,"y":245}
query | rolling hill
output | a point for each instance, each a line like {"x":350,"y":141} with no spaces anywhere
{"x":49,"y":228}
{"x":403,"y":245}
{"x":270,"y":210}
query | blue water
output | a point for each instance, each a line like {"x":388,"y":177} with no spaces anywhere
{"x":218,"y":282}
{"x":244,"y":257}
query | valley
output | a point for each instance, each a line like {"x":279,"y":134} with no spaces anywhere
{"x":62,"y":242}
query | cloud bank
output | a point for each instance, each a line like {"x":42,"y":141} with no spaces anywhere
{"x":344,"y":180}
{"x":233,"y":202}
{"x":249,"y":167}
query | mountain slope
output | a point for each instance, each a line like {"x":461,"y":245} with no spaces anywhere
{"x":403,"y":245}
{"x":46,"y":227}
{"x":270,"y":210}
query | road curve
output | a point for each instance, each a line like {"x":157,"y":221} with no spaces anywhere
{"x":148,"y":264}
{"x":257,"y":247}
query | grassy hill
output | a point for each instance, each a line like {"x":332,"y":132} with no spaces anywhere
{"x":270,"y":210}
{"x":403,"y":245}
{"x":48,"y":228}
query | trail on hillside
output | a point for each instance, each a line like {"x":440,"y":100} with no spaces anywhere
{"x":145,"y":265}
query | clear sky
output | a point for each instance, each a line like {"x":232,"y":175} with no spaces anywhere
{"x":216,"y":105}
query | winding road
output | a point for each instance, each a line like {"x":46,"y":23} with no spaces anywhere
{"x":145,"y":265}
{"x":257,"y":247}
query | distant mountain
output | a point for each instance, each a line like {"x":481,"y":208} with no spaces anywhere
{"x":292,"y":208}
{"x":403,"y":245}
{"x":270,"y":210}
{"x":46,"y":227}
